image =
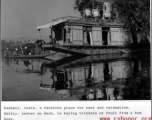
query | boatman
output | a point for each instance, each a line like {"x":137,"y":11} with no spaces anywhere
{"x":52,"y":40}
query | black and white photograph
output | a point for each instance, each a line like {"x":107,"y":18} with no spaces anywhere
{"x":75,"y":50}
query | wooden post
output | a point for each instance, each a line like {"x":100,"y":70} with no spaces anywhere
{"x":66,"y":34}
{"x":39,"y":33}
{"x":51,"y":31}
{"x":71,"y":33}
{"x":43,"y":48}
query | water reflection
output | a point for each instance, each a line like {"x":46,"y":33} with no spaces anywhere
{"x":108,"y":80}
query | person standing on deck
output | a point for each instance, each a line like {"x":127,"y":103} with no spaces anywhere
{"x":53,"y":41}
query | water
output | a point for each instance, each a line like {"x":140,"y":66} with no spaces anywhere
{"x":88,"y":78}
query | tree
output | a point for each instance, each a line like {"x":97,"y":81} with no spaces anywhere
{"x":79,"y":5}
{"x":137,"y":88}
{"x":4,"y":44}
{"x":135,"y":14}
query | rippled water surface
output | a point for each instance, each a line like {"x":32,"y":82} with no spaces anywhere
{"x":87,"y":78}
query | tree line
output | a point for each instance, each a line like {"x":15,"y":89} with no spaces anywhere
{"x":10,"y":43}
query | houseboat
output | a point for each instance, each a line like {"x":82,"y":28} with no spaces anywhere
{"x":89,"y":35}
{"x":80,"y":36}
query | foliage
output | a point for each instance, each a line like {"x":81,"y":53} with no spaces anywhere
{"x":79,"y":5}
{"x":135,"y":14}
{"x":137,"y":88}
{"x":4,"y":43}
{"x":7,"y":44}
{"x":11,"y":44}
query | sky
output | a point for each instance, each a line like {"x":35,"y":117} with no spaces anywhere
{"x":20,"y":18}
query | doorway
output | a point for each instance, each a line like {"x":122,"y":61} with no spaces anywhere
{"x":64,"y":39}
{"x":105,"y":31}
{"x":87,"y":34}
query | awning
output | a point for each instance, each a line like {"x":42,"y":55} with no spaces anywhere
{"x":44,"y":26}
{"x":59,"y":21}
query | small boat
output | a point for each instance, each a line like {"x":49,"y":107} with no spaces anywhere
{"x":27,"y":50}
{"x":29,"y":56}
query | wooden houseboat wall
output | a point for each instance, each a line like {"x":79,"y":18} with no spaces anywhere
{"x":119,"y":37}
{"x":91,"y":34}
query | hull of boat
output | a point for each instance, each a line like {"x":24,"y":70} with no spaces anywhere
{"x":95,"y":50}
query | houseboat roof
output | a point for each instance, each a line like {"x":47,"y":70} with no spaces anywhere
{"x":70,"y":20}
{"x":107,"y":23}
{"x":57,"y":21}
{"x":63,"y":19}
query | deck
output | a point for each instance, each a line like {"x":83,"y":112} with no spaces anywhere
{"x":85,"y":50}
